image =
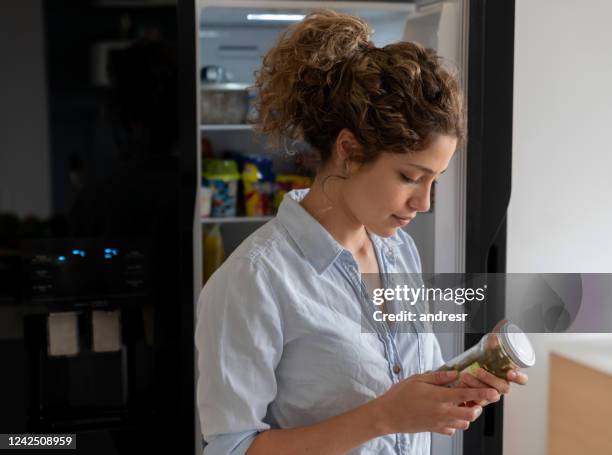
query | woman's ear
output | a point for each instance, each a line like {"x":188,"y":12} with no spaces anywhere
{"x":347,"y":146}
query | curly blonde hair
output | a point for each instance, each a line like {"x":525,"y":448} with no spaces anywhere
{"x":324,"y":75}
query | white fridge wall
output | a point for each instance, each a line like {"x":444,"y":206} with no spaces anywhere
{"x":241,"y":65}
{"x":559,"y":218}
{"x":441,"y":236}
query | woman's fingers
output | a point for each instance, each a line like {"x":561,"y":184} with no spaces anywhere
{"x":455,"y":413}
{"x":464,"y":395}
{"x":517,"y":377}
{"x":501,"y":385}
{"x":470,"y":381}
{"x":459,"y":424}
{"x":447,"y":431}
{"x":459,"y":418}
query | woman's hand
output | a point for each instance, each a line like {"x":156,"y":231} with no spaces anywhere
{"x":422,"y":403}
{"x":483,"y":378}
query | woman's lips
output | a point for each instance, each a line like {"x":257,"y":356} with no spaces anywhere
{"x":401,"y":221}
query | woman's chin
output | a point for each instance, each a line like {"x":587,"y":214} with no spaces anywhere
{"x":383,"y":231}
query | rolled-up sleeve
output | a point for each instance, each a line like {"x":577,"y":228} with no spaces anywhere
{"x":239,"y":341}
{"x":230,"y":443}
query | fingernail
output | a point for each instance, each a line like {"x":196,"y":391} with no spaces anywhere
{"x":451,"y":374}
{"x":512,"y":375}
{"x":492,"y":394}
{"x":478,"y":411}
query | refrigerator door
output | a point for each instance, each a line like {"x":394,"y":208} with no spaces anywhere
{"x":489,"y":167}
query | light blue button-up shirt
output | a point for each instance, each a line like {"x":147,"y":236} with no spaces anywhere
{"x":280,"y":340}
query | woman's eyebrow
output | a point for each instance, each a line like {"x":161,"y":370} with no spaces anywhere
{"x":424,"y":169}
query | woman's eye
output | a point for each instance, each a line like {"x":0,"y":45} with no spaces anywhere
{"x":408,"y":179}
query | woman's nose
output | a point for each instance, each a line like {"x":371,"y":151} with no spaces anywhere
{"x":420,"y":200}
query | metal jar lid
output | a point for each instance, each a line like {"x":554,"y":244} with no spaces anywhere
{"x":517,"y":345}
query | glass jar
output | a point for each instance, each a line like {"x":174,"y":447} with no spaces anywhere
{"x":498,"y":352}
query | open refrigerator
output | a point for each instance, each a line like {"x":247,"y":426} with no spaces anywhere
{"x":144,"y":383}
{"x":465,"y":229}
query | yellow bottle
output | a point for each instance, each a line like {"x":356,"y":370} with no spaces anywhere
{"x":214,"y":253}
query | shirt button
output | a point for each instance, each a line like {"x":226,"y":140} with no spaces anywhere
{"x":396,"y":369}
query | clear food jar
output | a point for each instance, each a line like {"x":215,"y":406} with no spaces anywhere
{"x":506,"y":349}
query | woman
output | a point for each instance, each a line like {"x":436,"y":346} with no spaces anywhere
{"x":284,"y":365}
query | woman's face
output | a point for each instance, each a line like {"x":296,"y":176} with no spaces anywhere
{"x":388,"y":193}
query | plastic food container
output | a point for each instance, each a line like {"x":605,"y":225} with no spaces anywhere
{"x":258,"y":185}
{"x":214,"y":252}
{"x":224,"y":103}
{"x":222,"y":176}
{"x":206,"y":194}
{"x":497,"y":352}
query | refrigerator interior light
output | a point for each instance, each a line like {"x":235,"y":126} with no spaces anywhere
{"x":275,"y":17}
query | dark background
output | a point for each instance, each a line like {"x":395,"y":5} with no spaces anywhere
{"x":93,"y":165}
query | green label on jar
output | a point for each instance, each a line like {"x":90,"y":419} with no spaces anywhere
{"x":471,"y":369}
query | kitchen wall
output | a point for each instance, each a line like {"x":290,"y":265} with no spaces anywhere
{"x":559,"y":219}
{"x":24,"y":176}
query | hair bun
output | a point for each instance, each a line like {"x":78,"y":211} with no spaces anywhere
{"x":324,"y":74}
{"x":325,"y":36}
{"x":298,"y":66}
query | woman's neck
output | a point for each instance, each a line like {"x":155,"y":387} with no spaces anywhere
{"x":324,"y":202}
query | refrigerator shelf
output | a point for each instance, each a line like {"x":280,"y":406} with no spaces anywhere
{"x":236,"y":219}
{"x":226,"y":127}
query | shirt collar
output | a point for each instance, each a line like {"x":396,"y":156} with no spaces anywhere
{"x":316,"y":244}
{"x":390,"y":242}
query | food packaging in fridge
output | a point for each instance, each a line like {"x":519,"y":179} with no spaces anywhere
{"x":206,"y":194}
{"x":224,"y":103}
{"x":222,"y":176}
{"x":214,"y":253}
{"x":258,"y":185}
{"x":288,"y":182}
